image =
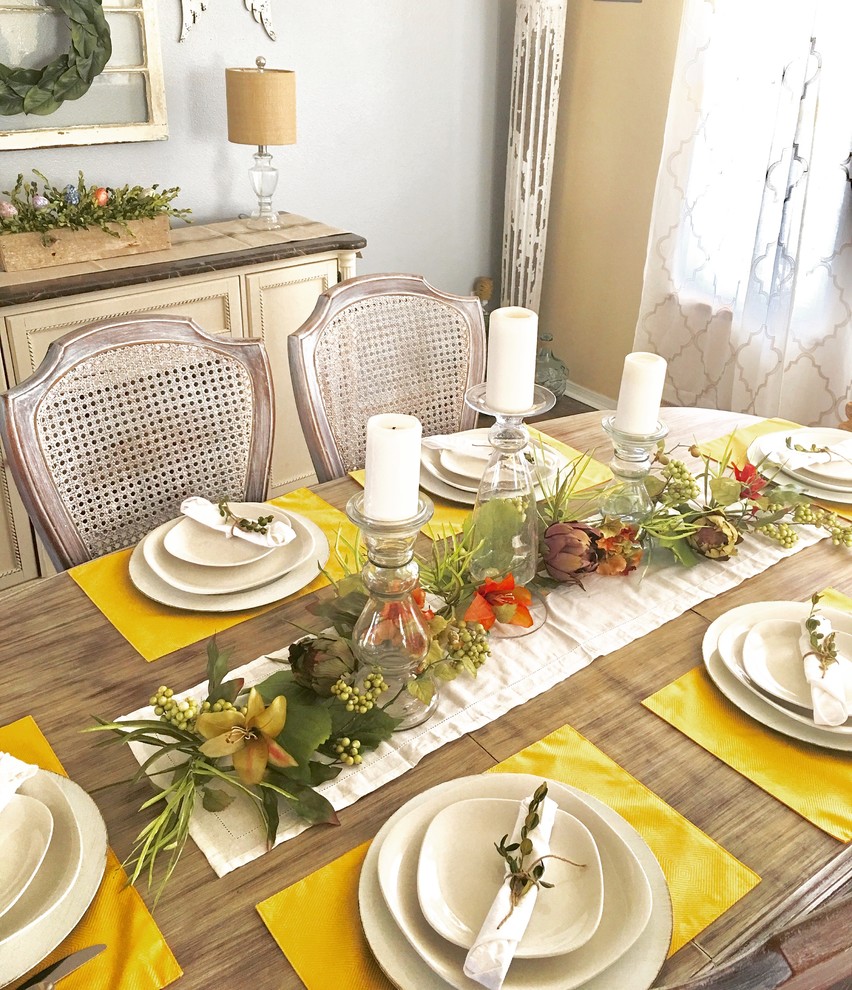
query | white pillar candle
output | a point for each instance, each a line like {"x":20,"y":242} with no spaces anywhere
{"x":391,"y":486}
{"x":642,"y":381}
{"x":510,"y":375}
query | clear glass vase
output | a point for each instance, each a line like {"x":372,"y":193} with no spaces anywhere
{"x":550,"y":371}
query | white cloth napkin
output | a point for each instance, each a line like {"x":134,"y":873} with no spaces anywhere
{"x":277,"y":533}
{"x":828,"y":690}
{"x":13,"y":772}
{"x":796,"y":459}
{"x":460,"y":443}
{"x":492,"y":953}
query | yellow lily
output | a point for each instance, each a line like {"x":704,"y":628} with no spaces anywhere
{"x":248,"y":739}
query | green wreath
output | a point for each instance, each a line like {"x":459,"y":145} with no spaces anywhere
{"x":42,"y":91}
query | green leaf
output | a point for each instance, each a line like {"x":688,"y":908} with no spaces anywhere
{"x":269,"y":804}
{"x":311,"y":806}
{"x":498,"y":522}
{"x":725,"y":491}
{"x":306,"y":729}
{"x":40,"y":101}
{"x":422,"y":688}
{"x":683,"y":552}
{"x":215,"y":800}
{"x":217,"y":665}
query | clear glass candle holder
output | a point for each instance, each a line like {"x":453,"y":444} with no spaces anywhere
{"x":505,"y":517}
{"x":627,"y":497}
{"x":391,"y":633}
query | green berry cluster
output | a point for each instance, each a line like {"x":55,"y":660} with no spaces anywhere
{"x":182,"y":712}
{"x":814,"y":515}
{"x":348,"y":750}
{"x":466,"y":641}
{"x":781,"y":533}
{"x":359,"y":699}
{"x":681,"y":485}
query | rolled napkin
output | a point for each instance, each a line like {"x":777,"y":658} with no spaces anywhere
{"x":277,"y":533}
{"x":494,"y":949}
{"x":828,"y":688}
{"x":460,"y":443}
{"x":796,"y":459}
{"x":13,"y":772}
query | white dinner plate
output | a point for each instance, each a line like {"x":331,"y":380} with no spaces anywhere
{"x":636,"y":921}
{"x":202,"y":580}
{"x":772,"y":657}
{"x":465,"y":471}
{"x":155,"y":588}
{"x":198,"y":544}
{"x":26,"y":826}
{"x":459,"y":844}
{"x":65,"y":884}
{"x":768,"y":452}
{"x":431,"y":461}
{"x":763,"y":709}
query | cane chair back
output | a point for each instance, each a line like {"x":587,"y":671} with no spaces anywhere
{"x":383,"y":343}
{"x":124,"y":419}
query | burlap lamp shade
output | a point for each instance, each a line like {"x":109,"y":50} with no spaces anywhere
{"x":261,"y":106}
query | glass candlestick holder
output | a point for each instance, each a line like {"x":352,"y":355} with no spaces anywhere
{"x":391,"y":634}
{"x":505,"y":518}
{"x":627,"y":497}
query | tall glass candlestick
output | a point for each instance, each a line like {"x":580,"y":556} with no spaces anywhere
{"x":505,"y":518}
{"x":391,"y":634}
{"x":627,"y":498}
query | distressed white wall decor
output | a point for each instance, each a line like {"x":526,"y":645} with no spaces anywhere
{"x":260,"y":10}
{"x":536,"y":73}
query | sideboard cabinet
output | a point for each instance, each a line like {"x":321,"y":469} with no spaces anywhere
{"x":227,"y":278}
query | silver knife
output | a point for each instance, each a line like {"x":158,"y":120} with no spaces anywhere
{"x":49,"y":977}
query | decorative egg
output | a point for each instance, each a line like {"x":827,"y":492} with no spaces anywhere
{"x":7,"y":210}
{"x":39,"y":201}
{"x":72,"y":197}
{"x":101,"y":196}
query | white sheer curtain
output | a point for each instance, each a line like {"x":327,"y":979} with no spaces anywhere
{"x":748,"y":277}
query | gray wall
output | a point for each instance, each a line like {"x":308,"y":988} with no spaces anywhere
{"x":402,"y":123}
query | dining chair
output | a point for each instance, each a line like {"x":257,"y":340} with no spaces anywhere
{"x":812,"y":954}
{"x":124,"y":419}
{"x":377,"y":344}
{"x":847,"y":423}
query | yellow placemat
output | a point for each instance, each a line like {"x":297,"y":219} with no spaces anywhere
{"x":743,"y":438}
{"x":156,"y":630}
{"x":704,"y":879}
{"x":813,"y":782}
{"x":450,"y":518}
{"x":136,"y":955}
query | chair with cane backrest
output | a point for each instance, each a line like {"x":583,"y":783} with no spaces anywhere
{"x":383,"y":343}
{"x":124,"y":419}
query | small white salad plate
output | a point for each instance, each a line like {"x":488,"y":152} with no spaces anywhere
{"x":203,"y":580}
{"x":459,"y":845}
{"x":26,"y":826}
{"x":197,"y":544}
{"x":772,"y":657}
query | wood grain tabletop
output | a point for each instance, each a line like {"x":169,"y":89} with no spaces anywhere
{"x":62,"y":662}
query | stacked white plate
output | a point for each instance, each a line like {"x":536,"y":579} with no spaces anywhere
{"x":419,"y":906}
{"x":752,"y":655}
{"x":455,"y":474}
{"x":829,"y":479}
{"x":190,"y":566}
{"x":53,"y":845}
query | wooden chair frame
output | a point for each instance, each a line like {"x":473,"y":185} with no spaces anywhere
{"x":19,"y":409}
{"x":302,"y":350}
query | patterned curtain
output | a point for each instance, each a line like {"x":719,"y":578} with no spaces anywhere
{"x":748,"y":277}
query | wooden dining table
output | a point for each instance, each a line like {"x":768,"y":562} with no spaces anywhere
{"x":63,"y":662}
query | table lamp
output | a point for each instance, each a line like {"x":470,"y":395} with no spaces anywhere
{"x":262,"y":111}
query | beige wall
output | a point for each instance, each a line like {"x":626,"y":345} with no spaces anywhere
{"x":615,"y":85}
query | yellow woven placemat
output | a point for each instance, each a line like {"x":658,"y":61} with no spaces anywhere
{"x":136,"y":955}
{"x":816,"y":783}
{"x":156,"y":630}
{"x":704,"y":879}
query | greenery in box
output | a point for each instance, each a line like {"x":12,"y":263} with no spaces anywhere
{"x":81,"y":206}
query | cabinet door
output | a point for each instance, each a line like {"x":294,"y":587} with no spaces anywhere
{"x":279,"y":302}
{"x":17,"y":558}
{"x":214,"y":305}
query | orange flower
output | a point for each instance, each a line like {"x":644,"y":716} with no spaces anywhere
{"x":500,"y":601}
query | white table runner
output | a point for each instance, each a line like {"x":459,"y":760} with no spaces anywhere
{"x":582,"y":625}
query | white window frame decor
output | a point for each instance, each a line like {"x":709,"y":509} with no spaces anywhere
{"x":41,"y":134}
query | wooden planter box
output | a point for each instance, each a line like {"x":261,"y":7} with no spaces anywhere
{"x":20,"y":252}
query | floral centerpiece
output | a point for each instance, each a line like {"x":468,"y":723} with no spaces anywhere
{"x":80,"y":221}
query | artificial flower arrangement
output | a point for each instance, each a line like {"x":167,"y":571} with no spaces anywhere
{"x":79,"y":206}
